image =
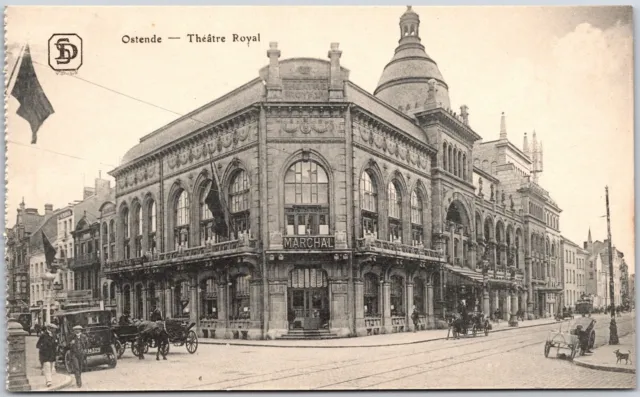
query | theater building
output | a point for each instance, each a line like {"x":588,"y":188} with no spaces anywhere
{"x":300,"y":203}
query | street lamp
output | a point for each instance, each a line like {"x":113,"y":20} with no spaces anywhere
{"x":613,"y":328}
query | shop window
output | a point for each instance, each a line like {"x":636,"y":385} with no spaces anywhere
{"x":397,"y":296}
{"x":240,"y":304}
{"x":209,"y":299}
{"x":371,"y":297}
{"x":306,"y":199}
{"x":369,"y":197}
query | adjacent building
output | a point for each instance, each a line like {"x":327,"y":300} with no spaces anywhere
{"x":574,"y":262}
{"x":599,"y":272}
{"x":301,"y":201}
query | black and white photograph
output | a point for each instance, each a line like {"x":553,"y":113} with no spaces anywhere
{"x":319,"y":198}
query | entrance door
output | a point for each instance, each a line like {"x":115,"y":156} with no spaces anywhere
{"x":308,"y":299}
{"x":310,"y":307}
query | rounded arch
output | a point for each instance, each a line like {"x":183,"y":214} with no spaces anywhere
{"x":233,"y":168}
{"x":178,"y":191}
{"x":500,"y":235}
{"x":488,"y":228}
{"x":457,"y":213}
{"x":401,"y":184}
{"x":123,"y":230}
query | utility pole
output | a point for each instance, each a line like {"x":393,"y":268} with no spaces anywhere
{"x":613,"y":328}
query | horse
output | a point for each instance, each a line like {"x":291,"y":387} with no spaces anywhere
{"x":152,"y":331}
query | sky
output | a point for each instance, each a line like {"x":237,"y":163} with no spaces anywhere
{"x":565,"y":72}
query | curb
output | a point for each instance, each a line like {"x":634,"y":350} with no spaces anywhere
{"x":249,"y":344}
{"x":57,"y":387}
{"x":603,"y":367}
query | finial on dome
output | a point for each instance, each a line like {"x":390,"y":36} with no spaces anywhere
{"x":273,"y":45}
{"x":408,"y":8}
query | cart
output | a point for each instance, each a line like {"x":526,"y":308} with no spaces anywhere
{"x":126,"y":334}
{"x":476,"y":323}
{"x":180,"y":334}
{"x":573,"y":336}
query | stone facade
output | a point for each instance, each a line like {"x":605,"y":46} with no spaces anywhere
{"x":301,"y":201}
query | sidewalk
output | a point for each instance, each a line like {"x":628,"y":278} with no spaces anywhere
{"x":604,"y":358}
{"x":395,"y":339}
{"x":34,"y":374}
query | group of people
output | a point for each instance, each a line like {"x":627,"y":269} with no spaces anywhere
{"x":47,"y":346}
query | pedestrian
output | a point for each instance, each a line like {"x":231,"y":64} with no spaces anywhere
{"x":414,"y":318}
{"x":78,"y":346}
{"x":47,"y":347}
{"x":156,"y":315}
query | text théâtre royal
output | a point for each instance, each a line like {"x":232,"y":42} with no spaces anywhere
{"x":194,"y":38}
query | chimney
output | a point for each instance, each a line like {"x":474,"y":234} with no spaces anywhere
{"x":503,"y":127}
{"x":336,"y":85}
{"x":464,"y":112}
{"x":525,"y":146}
{"x":48,"y":209}
{"x":274,"y":83}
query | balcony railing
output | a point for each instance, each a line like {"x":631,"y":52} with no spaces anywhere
{"x":205,"y":251}
{"x":83,"y":260}
{"x":417,"y":252}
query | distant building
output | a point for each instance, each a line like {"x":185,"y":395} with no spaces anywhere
{"x":17,"y":258}
{"x":599,"y":272}
{"x":574,"y":263}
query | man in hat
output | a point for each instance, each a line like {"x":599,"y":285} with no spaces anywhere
{"x":78,"y":346}
{"x":47,"y":347}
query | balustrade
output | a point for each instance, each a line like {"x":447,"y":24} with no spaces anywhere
{"x":366,"y":244}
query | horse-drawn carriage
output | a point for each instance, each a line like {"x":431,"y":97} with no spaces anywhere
{"x":584,"y":306}
{"x":179,"y":333}
{"x":576,"y":336}
{"x":182,"y":334}
{"x":476,"y":322}
{"x":126,"y":334}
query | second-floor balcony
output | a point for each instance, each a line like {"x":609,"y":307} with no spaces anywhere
{"x":396,"y":249}
{"x":184,"y":255}
{"x":83,"y":260}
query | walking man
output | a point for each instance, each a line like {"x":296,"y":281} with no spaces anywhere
{"x":78,"y":346}
{"x":414,"y":318}
{"x":47,"y":347}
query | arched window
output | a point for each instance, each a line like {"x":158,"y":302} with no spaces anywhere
{"x":209,"y":298}
{"x":139,"y":302}
{"x":181,"y":298}
{"x":451,"y":159}
{"x":151,"y":227}
{"x":371,"y":294}
{"x":395,"y":213}
{"x":181,"y":217}
{"x":459,"y":164}
{"x":464,"y":167}
{"x":105,"y":291}
{"x":239,"y":201}
{"x":306,"y":199}
{"x":125,"y":233}
{"x":105,"y":241}
{"x":444,"y":156}
{"x":397,"y":296}
{"x":417,"y":231}
{"x":208,"y":233}
{"x":137,"y":238}
{"x":455,"y":162}
{"x":369,"y":197}
{"x":112,"y":291}
{"x":240,"y":304}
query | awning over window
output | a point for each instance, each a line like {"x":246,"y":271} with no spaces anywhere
{"x":466,"y":273}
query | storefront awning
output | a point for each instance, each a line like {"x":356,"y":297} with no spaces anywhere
{"x":465,"y":273}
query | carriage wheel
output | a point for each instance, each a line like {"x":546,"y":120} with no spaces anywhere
{"x":192,"y":342}
{"x":592,"y":339}
{"x":120,"y":348}
{"x":113,"y":357}
{"x":547,"y":348}
{"x":165,"y":349}
{"x":134,"y":348}
{"x":146,"y":347}
{"x":68,"y":364}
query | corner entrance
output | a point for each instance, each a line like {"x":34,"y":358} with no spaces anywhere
{"x":308,"y":303}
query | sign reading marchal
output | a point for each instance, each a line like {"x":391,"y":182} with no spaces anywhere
{"x":312,"y":243}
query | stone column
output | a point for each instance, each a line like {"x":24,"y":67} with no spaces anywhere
{"x":386,"y":307}
{"x":338,"y":308}
{"x":494,"y":255}
{"x":119,"y":309}
{"x":134,"y":301}
{"x":145,"y":303}
{"x":409,"y":306}
{"x":168,"y":299}
{"x":17,"y":358}
{"x":473,"y":247}
{"x":223,"y":317}
{"x":359,"y":307}
{"x":278,"y":324}
{"x":428,"y":306}
{"x":513,"y":321}
{"x":486,"y":304}
{"x":530,"y":296}
{"x":193,"y":300}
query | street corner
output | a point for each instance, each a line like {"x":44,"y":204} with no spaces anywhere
{"x":59,"y":383}
{"x":612,"y":358}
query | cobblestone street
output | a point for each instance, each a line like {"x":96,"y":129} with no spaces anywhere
{"x":512,"y":359}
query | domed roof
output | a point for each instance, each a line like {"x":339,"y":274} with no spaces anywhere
{"x":405,"y":80}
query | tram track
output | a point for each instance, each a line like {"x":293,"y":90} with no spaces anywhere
{"x":273,"y":376}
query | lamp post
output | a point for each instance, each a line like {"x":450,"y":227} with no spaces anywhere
{"x":613,"y":329}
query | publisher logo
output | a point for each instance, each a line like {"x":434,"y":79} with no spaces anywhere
{"x":65,"y":52}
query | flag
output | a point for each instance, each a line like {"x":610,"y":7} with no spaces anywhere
{"x":49,"y":251}
{"x":217,"y":204}
{"x":34,"y":104}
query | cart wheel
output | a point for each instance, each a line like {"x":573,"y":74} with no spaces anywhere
{"x":574,"y":350}
{"x":547,"y":348}
{"x":146,"y":347}
{"x":68,"y":364}
{"x":192,"y":342}
{"x":592,"y":339}
{"x":113,"y":357}
{"x":134,"y":348}
{"x":120,"y":348}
